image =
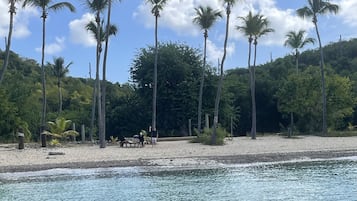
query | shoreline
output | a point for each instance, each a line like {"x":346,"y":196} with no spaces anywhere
{"x":190,"y":162}
{"x":178,"y":154}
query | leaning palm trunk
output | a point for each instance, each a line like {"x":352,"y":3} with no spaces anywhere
{"x":8,"y":43}
{"x":44,"y":102}
{"x":104,"y":85}
{"x":324,"y":109}
{"x":219,"y":89}
{"x":99,"y":97}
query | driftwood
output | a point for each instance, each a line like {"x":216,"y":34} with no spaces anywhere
{"x":51,"y":153}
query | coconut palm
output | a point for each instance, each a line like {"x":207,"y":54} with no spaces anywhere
{"x":315,"y":8}
{"x":92,"y":27}
{"x":296,"y":41}
{"x":59,"y":129}
{"x":59,"y":70}
{"x":228,"y":6}
{"x":12,"y":11}
{"x":254,"y":27}
{"x":107,"y":33}
{"x":97,"y":7}
{"x":46,"y":6}
{"x":157,"y":6}
{"x":205,"y":18}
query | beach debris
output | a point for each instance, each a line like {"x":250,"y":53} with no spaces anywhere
{"x":51,"y":153}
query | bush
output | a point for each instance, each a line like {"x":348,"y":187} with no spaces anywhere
{"x":206,"y":137}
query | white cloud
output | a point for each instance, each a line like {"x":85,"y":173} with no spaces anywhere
{"x":55,"y":47}
{"x":21,"y":20}
{"x":282,"y":21}
{"x":348,"y":12}
{"x":78,"y":32}
{"x":214,"y":52}
{"x":177,"y":15}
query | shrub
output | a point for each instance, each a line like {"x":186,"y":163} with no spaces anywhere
{"x":205,"y":137}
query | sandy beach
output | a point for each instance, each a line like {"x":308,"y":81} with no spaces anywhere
{"x":176,"y":153}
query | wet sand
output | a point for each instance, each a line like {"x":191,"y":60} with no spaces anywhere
{"x":176,"y":153}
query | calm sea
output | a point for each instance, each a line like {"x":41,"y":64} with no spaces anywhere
{"x":331,"y":180}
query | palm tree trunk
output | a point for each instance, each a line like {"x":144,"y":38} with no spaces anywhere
{"x":93,"y":111}
{"x":219,"y":89}
{"x":154,"y":96}
{"x":44,"y":102}
{"x":322,"y":64}
{"x":104,"y":85}
{"x":201,"y":85}
{"x":8,"y":43}
{"x":59,"y":95}
{"x":252,"y":89}
{"x":99,"y":97}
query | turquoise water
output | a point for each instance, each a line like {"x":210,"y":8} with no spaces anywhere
{"x":310,"y":180}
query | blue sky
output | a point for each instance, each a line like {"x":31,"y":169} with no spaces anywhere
{"x":67,"y":37}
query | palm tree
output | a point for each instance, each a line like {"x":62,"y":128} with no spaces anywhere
{"x":60,"y":71}
{"x":60,"y":129}
{"x":205,"y":19}
{"x":112,"y":30}
{"x":157,"y":6}
{"x":46,"y":6}
{"x":296,"y":41}
{"x":108,"y":30}
{"x":12,"y":12}
{"x":228,"y":4}
{"x":254,"y":27}
{"x":97,"y":7}
{"x":315,"y":8}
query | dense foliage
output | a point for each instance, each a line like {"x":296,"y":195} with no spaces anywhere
{"x":279,"y":91}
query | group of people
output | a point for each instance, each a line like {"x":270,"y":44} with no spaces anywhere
{"x":138,"y":140}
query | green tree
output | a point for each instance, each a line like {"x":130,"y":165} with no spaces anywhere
{"x":254,"y":27}
{"x":315,"y":8}
{"x":12,"y":12}
{"x":157,"y":6}
{"x":296,"y":41}
{"x":205,"y":18}
{"x":178,"y":69}
{"x":229,"y":4}
{"x":301,"y":95}
{"x":46,"y":6}
{"x":60,"y":71}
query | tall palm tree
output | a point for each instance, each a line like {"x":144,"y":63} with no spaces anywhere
{"x":12,"y":11}
{"x":92,"y":27}
{"x":315,"y":8}
{"x":107,"y":31}
{"x":97,"y":7}
{"x":228,"y":6}
{"x":296,"y":41}
{"x":157,"y":6}
{"x":46,"y":6}
{"x":254,"y":27}
{"x":205,"y":18}
{"x":60,"y":71}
